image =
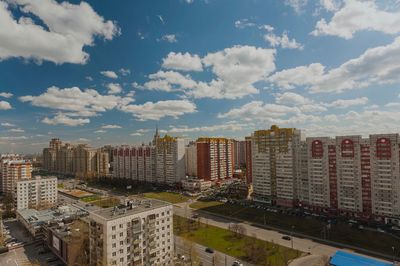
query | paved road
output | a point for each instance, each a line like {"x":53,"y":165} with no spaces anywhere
{"x":302,"y":244}
{"x":207,"y":259}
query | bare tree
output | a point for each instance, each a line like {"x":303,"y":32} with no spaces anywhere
{"x":238,"y":229}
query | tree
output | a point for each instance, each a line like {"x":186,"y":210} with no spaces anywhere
{"x":238,"y":229}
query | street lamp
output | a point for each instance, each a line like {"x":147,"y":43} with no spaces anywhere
{"x":394,"y":256}
{"x":292,"y":235}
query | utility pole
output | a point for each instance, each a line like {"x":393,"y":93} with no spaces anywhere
{"x":394,"y":256}
{"x":291,"y":237}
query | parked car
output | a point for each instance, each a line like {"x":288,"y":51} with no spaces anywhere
{"x":237,"y":263}
{"x":209,"y":250}
{"x":286,"y":238}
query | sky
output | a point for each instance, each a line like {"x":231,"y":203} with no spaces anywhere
{"x":110,"y":72}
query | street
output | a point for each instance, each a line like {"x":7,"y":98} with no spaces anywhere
{"x":217,"y":258}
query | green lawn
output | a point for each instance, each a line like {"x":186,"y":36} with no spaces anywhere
{"x":167,"y":196}
{"x":106,"y":203}
{"x":340,"y":232}
{"x":204,"y":204}
{"x":243,"y":247}
{"x":90,"y":198}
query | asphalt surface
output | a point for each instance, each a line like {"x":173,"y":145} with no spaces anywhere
{"x":207,"y":259}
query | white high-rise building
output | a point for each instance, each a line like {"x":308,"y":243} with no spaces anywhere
{"x":39,"y":192}
{"x":191,"y":160}
{"x":140,"y":233}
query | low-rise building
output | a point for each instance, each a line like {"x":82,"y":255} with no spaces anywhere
{"x":196,"y":185}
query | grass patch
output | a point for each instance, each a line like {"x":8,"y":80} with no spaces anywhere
{"x":340,"y":232}
{"x":106,"y":203}
{"x":204,"y":204}
{"x":60,"y":185}
{"x":167,"y":196}
{"x":90,"y":198}
{"x":240,"y":246}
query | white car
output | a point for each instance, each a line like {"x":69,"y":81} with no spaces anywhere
{"x":237,"y":263}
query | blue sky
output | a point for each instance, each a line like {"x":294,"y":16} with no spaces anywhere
{"x":108,"y":72}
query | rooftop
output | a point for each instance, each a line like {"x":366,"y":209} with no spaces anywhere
{"x":342,"y":258}
{"x":132,"y":206}
{"x":72,"y":231}
{"x":38,"y":218}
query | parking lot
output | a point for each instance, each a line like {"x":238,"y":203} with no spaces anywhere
{"x":23,"y":249}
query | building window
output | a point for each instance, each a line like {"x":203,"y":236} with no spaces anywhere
{"x":347,"y":147}
{"x":317,"y":149}
{"x":383,"y":148}
{"x":113,"y":228}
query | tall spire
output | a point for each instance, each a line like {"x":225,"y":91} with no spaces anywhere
{"x":156,"y":136}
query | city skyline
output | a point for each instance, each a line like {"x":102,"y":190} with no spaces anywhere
{"x":131,"y":66}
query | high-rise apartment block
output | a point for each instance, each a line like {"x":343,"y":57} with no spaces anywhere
{"x":276,"y":165}
{"x":249,"y":164}
{"x":140,"y":233}
{"x":191,"y":159}
{"x":36,"y":193}
{"x":162,"y":162}
{"x":239,"y":153}
{"x":13,"y":171}
{"x":215,"y":158}
{"x":347,"y":175}
{"x":79,"y":160}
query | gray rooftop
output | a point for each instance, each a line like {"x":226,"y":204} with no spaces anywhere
{"x":35,"y":217}
{"x":132,"y":206}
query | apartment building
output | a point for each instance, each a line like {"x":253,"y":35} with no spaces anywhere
{"x":134,"y":163}
{"x":36,"y":193}
{"x":139,"y":233}
{"x":13,"y":171}
{"x":385,"y":176}
{"x":79,"y":160}
{"x":276,"y":165}
{"x":239,"y":153}
{"x":249,"y":164}
{"x":169,"y":160}
{"x":215,"y":158}
{"x":191,"y":159}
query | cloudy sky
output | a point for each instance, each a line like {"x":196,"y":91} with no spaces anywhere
{"x":108,"y":72}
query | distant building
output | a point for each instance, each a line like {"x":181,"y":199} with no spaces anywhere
{"x":196,"y":185}
{"x":191,"y":160}
{"x":140,"y":233}
{"x":215,"y":158}
{"x":36,"y":193}
{"x":79,"y":160}
{"x":13,"y":171}
{"x":276,"y":165}
{"x":239,"y":153}
{"x":249,"y":164}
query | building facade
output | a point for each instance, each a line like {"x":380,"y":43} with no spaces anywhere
{"x":191,"y":160}
{"x":36,"y":193}
{"x":13,"y":171}
{"x":79,"y":160}
{"x":276,"y":165}
{"x":215,"y":158}
{"x":140,"y":233}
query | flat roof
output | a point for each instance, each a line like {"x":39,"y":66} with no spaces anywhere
{"x":35,"y":217}
{"x":135,"y":206}
{"x":342,"y":258}
{"x":71,"y":231}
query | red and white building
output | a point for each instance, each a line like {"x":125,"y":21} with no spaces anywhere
{"x":215,"y":158}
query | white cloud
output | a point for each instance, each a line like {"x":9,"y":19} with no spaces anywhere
{"x":6,"y":124}
{"x":17,"y":130}
{"x":298,"y":76}
{"x":67,"y":29}
{"x":213,"y":128}
{"x":100,"y":131}
{"x":158,"y":110}
{"x":183,"y":62}
{"x":114,"y":88}
{"x":282,"y":41}
{"x":266,"y":27}
{"x":171,"y":38}
{"x":5,"y":105}
{"x":291,"y":99}
{"x":244,"y":23}
{"x":376,"y":66}
{"x":331,"y":5}
{"x":109,"y":74}
{"x":77,"y":102}
{"x":125,"y":71}
{"x":356,"y":15}
{"x":161,"y":19}
{"x":63,"y":119}
{"x":347,"y":103}
{"x":6,"y":94}
{"x":7,"y":138}
{"x":140,"y":132}
{"x":89,"y":78}
{"x":110,"y":126}
{"x":236,"y":69}
{"x":297,"y":5}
